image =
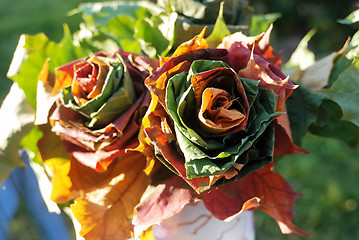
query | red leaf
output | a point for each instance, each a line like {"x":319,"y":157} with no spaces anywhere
{"x":164,"y":201}
{"x":283,"y":136}
{"x":260,"y":44}
{"x":277,"y":198}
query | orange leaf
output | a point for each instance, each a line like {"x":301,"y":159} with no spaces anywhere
{"x":45,"y":75}
{"x":53,"y":153}
{"x":64,"y":76}
{"x":198,"y":42}
{"x":84,"y":179}
{"x":105,"y":213}
{"x":277,"y":198}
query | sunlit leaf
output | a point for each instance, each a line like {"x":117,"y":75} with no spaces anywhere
{"x":30,"y":55}
{"x":105,"y":213}
{"x":70,"y":177}
{"x":317,"y":75}
{"x":301,"y":58}
{"x":30,"y":143}
{"x":16,"y":120}
{"x":122,"y":29}
{"x":135,"y":26}
{"x":236,"y":12}
{"x":312,"y":74}
{"x":101,"y":13}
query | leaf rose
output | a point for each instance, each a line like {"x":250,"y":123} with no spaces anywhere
{"x":208,"y":124}
{"x":90,"y":111}
{"x":101,"y":100}
{"x":215,"y":116}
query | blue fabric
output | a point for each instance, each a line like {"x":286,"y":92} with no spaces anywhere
{"x":22,"y":183}
{"x":9,"y":200}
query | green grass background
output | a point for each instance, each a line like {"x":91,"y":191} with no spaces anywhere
{"x":328,"y":177}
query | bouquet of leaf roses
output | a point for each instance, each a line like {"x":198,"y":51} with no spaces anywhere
{"x":128,"y":139}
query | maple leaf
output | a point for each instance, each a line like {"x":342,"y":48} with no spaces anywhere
{"x":105,"y":213}
{"x":272,"y":193}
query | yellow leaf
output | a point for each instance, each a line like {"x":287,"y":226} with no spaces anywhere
{"x":61,"y":182}
{"x":198,"y":42}
{"x":147,"y":235}
{"x":105,"y":213}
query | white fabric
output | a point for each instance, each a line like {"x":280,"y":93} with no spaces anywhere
{"x":195,"y":222}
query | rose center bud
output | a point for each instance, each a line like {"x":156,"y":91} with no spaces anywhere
{"x":86,"y":77}
{"x":221,"y":101}
{"x":217,"y":114}
{"x":89,"y":78}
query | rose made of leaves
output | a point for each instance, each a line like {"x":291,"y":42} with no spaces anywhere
{"x":101,"y":90}
{"x":216,"y":118}
{"x":101,"y":100}
{"x":206,"y":123}
{"x":89,"y":112}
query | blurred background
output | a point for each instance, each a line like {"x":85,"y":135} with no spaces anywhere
{"x":327,"y":177}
